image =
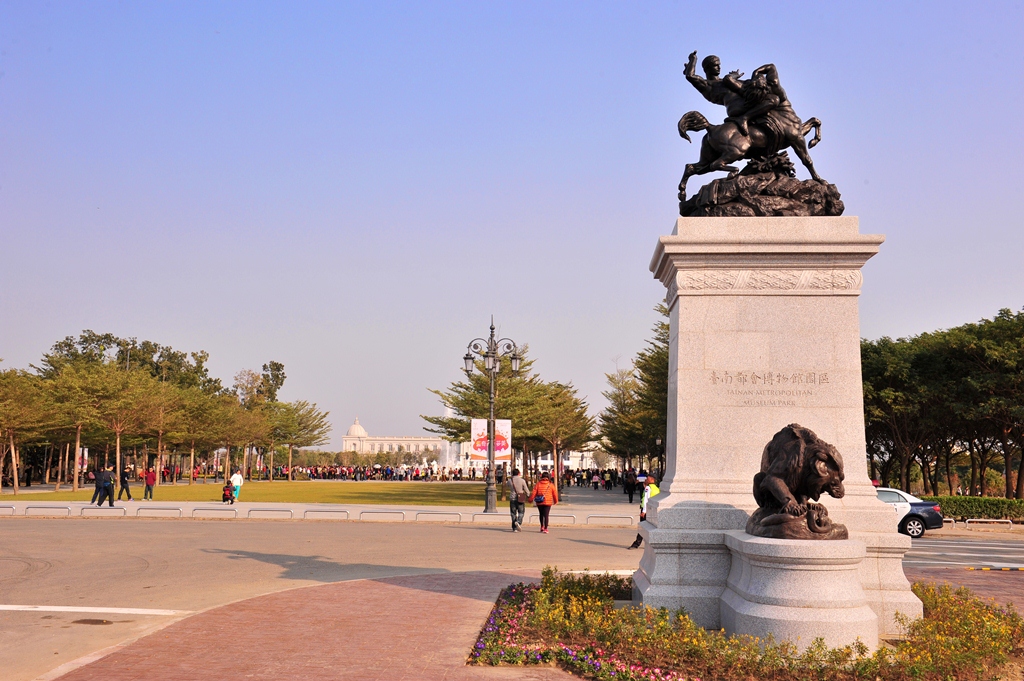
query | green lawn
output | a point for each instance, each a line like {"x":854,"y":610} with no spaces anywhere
{"x":314,"y":492}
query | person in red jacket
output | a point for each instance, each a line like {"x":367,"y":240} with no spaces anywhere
{"x":150,"y":480}
{"x":545,"y":495}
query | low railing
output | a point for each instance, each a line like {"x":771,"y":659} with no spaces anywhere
{"x":988,"y":521}
{"x":138,"y":512}
{"x":442,"y":513}
{"x":269,"y":510}
{"x":100,"y":511}
{"x":627,"y":518}
{"x":306,"y":513}
{"x":66,"y":509}
{"x":553,"y":515}
{"x":233,"y":511}
{"x":402,"y":513}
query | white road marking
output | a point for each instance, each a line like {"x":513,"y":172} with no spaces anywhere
{"x":105,"y":611}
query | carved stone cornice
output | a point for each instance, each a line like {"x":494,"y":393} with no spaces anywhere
{"x":768,"y":282}
{"x":805,"y":256}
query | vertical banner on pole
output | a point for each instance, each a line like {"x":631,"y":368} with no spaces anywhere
{"x":502,"y":440}
{"x":478,"y":440}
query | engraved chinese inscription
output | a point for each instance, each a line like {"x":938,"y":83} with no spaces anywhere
{"x":769,"y":387}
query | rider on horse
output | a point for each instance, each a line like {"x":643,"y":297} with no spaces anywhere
{"x":760,"y":99}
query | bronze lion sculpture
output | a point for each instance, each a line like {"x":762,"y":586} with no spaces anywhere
{"x":796,"y":467}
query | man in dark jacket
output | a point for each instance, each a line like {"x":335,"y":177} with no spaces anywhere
{"x":105,"y":481}
{"x":629,"y":487}
{"x":126,"y":475}
{"x":97,"y":483}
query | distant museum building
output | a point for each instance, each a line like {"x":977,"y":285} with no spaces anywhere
{"x":448,"y":454}
{"x":358,"y":440}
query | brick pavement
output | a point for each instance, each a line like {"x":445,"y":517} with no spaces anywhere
{"x":418,"y":627}
{"x":1003,"y":587}
{"x":414,"y":627}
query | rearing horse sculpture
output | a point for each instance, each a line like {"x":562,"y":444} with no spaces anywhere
{"x":774,"y":126}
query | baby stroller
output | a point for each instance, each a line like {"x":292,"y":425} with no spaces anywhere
{"x":228,"y":494}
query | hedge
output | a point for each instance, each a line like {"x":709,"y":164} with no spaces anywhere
{"x":995,"y":508}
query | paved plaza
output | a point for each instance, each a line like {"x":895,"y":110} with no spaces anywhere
{"x":168,"y":598}
{"x":191,"y":566}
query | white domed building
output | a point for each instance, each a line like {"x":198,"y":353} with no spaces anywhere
{"x":358,"y":440}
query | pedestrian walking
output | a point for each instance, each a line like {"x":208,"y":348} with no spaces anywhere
{"x":105,"y":479}
{"x":150,"y":480}
{"x":125,"y":479}
{"x":650,"y":490}
{"x":236,"y":482}
{"x":630,"y":484}
{"x":518,"y":493}
{"x":545,"y":495}
{"x":98,"y":485}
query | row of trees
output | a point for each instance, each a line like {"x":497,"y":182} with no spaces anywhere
{"x":633,"y":424}
{"x":943,"y":410}
{"x":946,"y":409}
{"x":546,"y":416}
{"x":103,"y":392}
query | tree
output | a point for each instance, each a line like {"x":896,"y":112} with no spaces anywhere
{"x":893,"y":398}
{"x":249,"y":389}
{"x":620,"y":425}
{"x":311,"y":428}
{"x":77,"y":391}
{"x":160,"y":361}
{"x":196,"y":422}
{"x":637,"y":413}
{"x":130,"y":401}
{"x":564,"y":422}
{"x":24,"y":413}
{"x":516,"y":397}
{"x":272,"y":379}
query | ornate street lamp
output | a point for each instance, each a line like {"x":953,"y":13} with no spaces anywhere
{"x":492,"y":351}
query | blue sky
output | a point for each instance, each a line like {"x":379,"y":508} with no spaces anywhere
{"x":352,"y":189}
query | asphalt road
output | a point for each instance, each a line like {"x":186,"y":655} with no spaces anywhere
{"x":188,"y":566}
{"x":965,"y":552}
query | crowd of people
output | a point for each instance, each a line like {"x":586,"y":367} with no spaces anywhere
{"x":544,"y":493}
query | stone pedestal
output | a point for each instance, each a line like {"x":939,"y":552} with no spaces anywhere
{"x":797,"y":590}
{"x":764,"y":333}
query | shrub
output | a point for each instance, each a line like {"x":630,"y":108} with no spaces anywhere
{"x":572,"y":621}
{"x":980,"y":507}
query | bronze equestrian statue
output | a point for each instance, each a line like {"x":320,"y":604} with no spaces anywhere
{"x":761,"y":121}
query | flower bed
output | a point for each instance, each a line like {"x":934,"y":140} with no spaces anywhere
{"x":572,"y":621}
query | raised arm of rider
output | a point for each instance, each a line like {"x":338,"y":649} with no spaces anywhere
{"x":691,"y":65}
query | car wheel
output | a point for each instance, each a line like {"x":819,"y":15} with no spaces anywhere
{"x":912,"y":526}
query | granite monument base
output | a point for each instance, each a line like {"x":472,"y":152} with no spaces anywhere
{"x":798,"y":591}
{"x":764,"y":332}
